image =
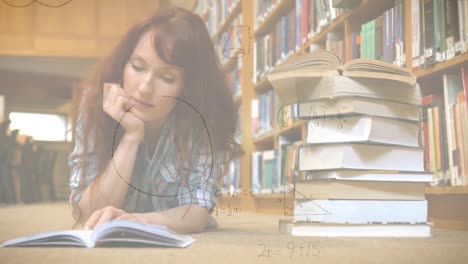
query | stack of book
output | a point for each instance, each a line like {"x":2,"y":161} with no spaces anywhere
{"x":363,"y":156}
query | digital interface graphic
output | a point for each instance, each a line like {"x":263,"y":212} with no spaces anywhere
{"x":236,"y":131}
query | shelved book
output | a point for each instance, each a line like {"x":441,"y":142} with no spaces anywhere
{"x":262,"y":113}
{"x":118,"y":233}
{"x":290,"y":31}
{"x":274,"y":170}
{"x":453,"y":86}
{"x":439,"y":31}
{"x":445,"y":128}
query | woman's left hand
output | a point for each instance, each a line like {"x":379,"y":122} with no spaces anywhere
{"x":110,"y":213}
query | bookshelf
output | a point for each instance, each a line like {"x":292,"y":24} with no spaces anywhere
{"x":235,"y":11}
{"x":345,"y":24}
{"x":456,"y":61}
{"x":436,"y":190}
{"x":271,"y":17}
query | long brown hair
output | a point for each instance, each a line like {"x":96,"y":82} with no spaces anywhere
{"x":180,"y":38}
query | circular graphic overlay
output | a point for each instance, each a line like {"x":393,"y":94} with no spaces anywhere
{"x":198,"y":183}
{"x":28,"y":3}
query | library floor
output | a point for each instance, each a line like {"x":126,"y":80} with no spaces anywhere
{"x":240,"y":238}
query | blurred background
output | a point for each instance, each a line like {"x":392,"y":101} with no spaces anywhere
{"x":44,"y":53}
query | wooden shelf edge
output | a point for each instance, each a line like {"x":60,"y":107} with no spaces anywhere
{"x":269,"y":136}
{"x":441,"y":66}
{"x":278,"y":10}
{"x":366,"y":5}
{"x":274,"y":196}
{"x":437,"y":190}
{"x":262,"y":85}
{"x":338,"y":22}
{"x":448,"y":223}
{"x":236,"y":10}
{"x":228,"y":197}
{"x":295,"y":126}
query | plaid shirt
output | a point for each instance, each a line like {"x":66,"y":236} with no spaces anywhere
{"x":159,"y":187}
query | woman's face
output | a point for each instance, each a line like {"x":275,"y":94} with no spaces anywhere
{"x":150,"y":83}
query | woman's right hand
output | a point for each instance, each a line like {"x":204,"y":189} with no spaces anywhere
{"x":116,"y":104}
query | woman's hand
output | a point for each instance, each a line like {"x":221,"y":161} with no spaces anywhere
{"x":110,"y":213}
{"x":116,"y":104}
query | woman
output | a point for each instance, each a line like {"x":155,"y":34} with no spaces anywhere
{"x":155,"y":121}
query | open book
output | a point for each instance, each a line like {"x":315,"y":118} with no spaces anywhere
{"x":326,"y":63}
{"x":119,"y":233}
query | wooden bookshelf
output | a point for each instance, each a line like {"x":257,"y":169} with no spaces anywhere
{"x":337,"y":24}
{"x":443,"y":66}
{"x":262,"y":85}
{"x":437,"y":190}
{"x":347,"y":22}
{"x":275,"y":196}
{"x":369,"y":9}
{"x":236,"y":10}
{"x":281,"y":7}
{"x":293,"y":130}
{"x":265,"y":139}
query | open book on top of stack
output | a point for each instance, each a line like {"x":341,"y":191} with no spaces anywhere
{"x":326,"y":63}
{"x":320,"y":75}
{"x":363,"y":160}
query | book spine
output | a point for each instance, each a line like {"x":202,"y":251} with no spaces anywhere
{"x":429,"y":34}
{"x":415,"y":33}
{"x":437,"y":139}
{"x":462,"y":159}
{"x":427,"y":103}
{"x":432,"y":148}
{"x":452,"y":34}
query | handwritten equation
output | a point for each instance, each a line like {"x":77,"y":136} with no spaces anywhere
{"x":227,"y":211}
{"x":292,"y":249}
{"x":234,"y":194}
{"x":317,"y":114}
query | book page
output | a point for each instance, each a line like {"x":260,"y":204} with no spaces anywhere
{"x":378,"y":69}
{"x":130,"y":231}
{"x":58,"y":238}
{"x":320,"y":61}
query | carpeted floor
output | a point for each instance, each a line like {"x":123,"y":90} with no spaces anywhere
{"x":240,"y":238}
